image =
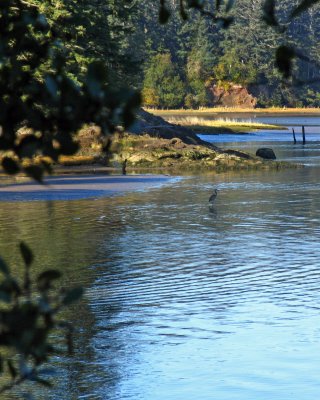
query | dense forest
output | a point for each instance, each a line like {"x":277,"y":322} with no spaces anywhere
{"x":175,"y":64}
{"x":184,"y":58}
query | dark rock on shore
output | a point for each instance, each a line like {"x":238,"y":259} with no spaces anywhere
{"x":266,"y":153}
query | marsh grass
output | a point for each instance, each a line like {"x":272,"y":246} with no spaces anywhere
{"x":220,"y":125}
{"x":231,"y":110}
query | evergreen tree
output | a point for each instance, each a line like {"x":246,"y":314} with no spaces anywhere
{"x":162,"y":86}
{"x":95,"y":30}
{"x":200,"y":60}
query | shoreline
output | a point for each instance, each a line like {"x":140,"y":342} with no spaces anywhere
{"x":227,"y":111}
{"x":162,"y":147}
{"x":80,"y":186}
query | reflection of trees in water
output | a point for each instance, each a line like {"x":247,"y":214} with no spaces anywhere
{"x":77,"y":237}
{"x":65,"y":236}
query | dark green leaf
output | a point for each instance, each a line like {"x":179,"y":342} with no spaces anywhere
{"x":45,"y":279}
{"x":218,"y":4}
{"x":164,"y":14}
{"x":97,"y":71}
{"x":229,"y":5}
{"x":96,"y":76}
{"x":196,"y":4}
{"x":52,"y":87}
{"x":72,"y":295}
{"x":6,"y":144}
{"x":5,"y":296}
{"x":41,"y":381}
{"x":68,"y":146}
{"x":9,"y":287}
{"x":49,"y":275}
{"x":224,"y":22}
{"x":46,"y":166}
{"x":107,"y":145}
{"x":268,"y":12}
{"x":284,"y":58}
{"x":131,"y":107}
{"x":10,"y":166}
{"x":26,"y":254}
{"x":34,"y":172}
{"x":4,"y":268}
{"x":183,"y":13}
{"x":303,"y":6}
{"x":28,"y":146}
{"x":42,"y":23}
{"x":12,"y":369}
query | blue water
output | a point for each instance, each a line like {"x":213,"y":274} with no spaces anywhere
{"x":278,"y":119}
{"x":77,"y":187}
{"x":184,"y":301}
{"x":312,"y":135}
{"x":281,"y":141}
{"x":285,"y":120}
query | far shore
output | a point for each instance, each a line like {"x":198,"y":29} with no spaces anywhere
{"x":234,"y":110}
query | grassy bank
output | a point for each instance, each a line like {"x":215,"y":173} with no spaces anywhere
{"x":158,"y":153}
{"x":218,"y":126}
{"x":233,"y":110}
{"x":157,"y":144}
{"x":147,"y":153}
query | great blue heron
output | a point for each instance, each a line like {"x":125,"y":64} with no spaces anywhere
{"x":213,"y":196}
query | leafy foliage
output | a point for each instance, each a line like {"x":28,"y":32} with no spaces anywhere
{"x":258,"y":33}
{"x":51,"y":104}
{"x":303,"y":6}
{"x":162,"y":86}
{"x":233,"y":68}
{"x":51,"y":98}
{"x":28,"y":316}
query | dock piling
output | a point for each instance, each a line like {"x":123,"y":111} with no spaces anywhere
{"x":294,"y":136}
{"x":303,"y":135}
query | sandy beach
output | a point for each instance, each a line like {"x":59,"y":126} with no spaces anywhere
{"x":73,"y":187}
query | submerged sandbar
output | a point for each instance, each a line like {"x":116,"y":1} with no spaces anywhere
{"x":79,"y":187}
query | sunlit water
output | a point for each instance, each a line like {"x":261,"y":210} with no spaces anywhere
{"x":185,"y":302}
{"x":280,"y":140}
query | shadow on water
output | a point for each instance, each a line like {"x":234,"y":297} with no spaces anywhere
{"x":64,"y":236}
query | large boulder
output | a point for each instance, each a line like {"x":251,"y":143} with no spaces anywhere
{"x":266,"y":153}
{"x":231,"y":96}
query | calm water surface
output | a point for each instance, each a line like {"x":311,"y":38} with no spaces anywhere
{"x":280,"y":140}
{"x":184,"y":302}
